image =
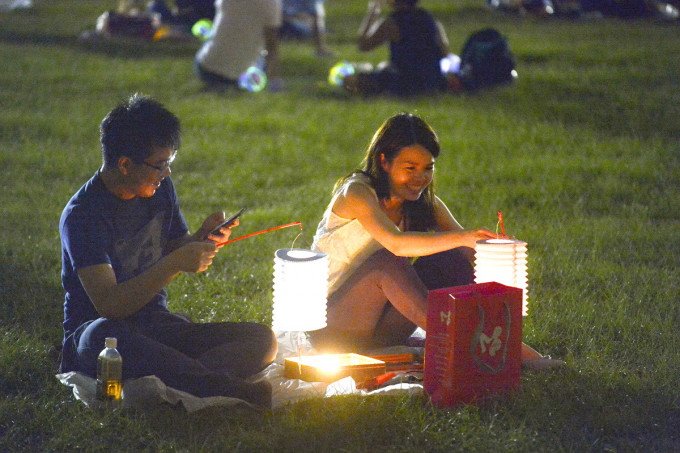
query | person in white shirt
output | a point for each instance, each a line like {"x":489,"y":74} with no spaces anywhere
{"x":245,"y":33}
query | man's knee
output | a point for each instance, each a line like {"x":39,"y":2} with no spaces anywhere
{"x":267,"y":341}
{"x":101,"y":328}
{"x":91,"y":341}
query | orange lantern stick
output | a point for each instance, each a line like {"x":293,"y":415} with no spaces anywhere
{"x":500,"y":221}
{"x":260,"y":232}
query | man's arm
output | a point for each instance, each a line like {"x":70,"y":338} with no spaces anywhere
{"x":204,"y":233}
{"x":119,"y":300}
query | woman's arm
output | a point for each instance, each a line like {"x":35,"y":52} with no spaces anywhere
{"x":444,"y":218}
{"x":442,"y":39}
{"x":376,"y":30}
{"x":446,"y":222}
{"x":359,"y":202}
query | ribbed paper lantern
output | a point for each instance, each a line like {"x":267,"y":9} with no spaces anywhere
{"x":503,"y":261}
{"x":300,"y":290}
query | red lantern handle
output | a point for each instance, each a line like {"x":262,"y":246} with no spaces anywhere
{"x":260,"y":232}
{"x":500,"y":220}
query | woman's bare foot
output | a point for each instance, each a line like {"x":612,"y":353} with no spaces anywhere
{"x":533,"y":360}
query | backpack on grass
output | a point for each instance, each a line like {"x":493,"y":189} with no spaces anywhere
{"x":486,"y":60}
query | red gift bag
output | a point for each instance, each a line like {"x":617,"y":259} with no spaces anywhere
{"x":473,"y":343}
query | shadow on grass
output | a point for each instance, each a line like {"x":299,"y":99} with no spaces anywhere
{"x":613,"y":411}
{"x":119,"y":48}
{"x":31,"y":299}
{"x":567,"y":410}
{"x":30,"y":317}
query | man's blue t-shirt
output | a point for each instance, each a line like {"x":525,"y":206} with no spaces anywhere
{"x":96,"y":227}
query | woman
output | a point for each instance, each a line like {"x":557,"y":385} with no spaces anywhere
{"x":379,"y":216}
{"x":417,"y":44}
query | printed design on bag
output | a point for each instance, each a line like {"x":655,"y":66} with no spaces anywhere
{"x":445,"y":317}
{"x":494,"y":343}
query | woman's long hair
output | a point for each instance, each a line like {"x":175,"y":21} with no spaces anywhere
{"x":398,"y":132}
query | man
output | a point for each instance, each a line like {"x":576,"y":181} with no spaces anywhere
{"x":243,"y":32}
{"x":123,"y":240}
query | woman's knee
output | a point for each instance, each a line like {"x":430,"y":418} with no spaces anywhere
{"x":445,"y":269}
{"x":385,"y":260}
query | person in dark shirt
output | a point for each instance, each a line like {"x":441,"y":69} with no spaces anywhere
{"x":417,"y":44}
{"x":124,"y":239}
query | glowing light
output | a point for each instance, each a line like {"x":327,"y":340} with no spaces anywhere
{"x":253,"y":80}
{"x":161,"y":33}
{"x":300,"y":290}
{"x":503,"y":261}
{"x":450,"y":64}
{"x":202,"y":29}
{"x":337,"y":74}
{"x":331,"y":367}
{"x":328,"y":363}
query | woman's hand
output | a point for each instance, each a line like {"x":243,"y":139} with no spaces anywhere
{"x":472,"y":236}
{"x":374,"y":6}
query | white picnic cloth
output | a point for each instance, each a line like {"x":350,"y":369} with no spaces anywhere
{"x":150,"y":391}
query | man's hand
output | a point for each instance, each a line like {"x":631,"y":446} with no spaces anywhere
{"x":195,"y":257}
{"x":211,"y":223}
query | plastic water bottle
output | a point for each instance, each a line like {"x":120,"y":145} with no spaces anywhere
{"x":110,"y":373}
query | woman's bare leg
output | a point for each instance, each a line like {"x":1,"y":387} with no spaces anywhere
{"x":384,"y":294}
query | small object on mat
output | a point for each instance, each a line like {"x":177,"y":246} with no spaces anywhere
{"x":377,"y":381}
{"x":331,"y":367}
{"x":400,"y":362}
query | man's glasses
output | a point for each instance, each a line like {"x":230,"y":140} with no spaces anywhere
{"x":161,"y":168}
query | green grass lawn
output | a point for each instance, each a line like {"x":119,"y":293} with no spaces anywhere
{"x":581,"y":154}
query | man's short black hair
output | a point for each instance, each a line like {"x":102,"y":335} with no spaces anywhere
{"x":136,"y":128}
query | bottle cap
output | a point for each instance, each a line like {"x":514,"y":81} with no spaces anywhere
{"x":111,"y":342}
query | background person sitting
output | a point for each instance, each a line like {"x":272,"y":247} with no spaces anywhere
{"x":244,"y":34}
{"x":417,"y":44}
{"x":185,"y":12}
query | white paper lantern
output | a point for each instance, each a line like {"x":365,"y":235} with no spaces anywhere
{"x":503,"y":261}
{"x":300,"y":290}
